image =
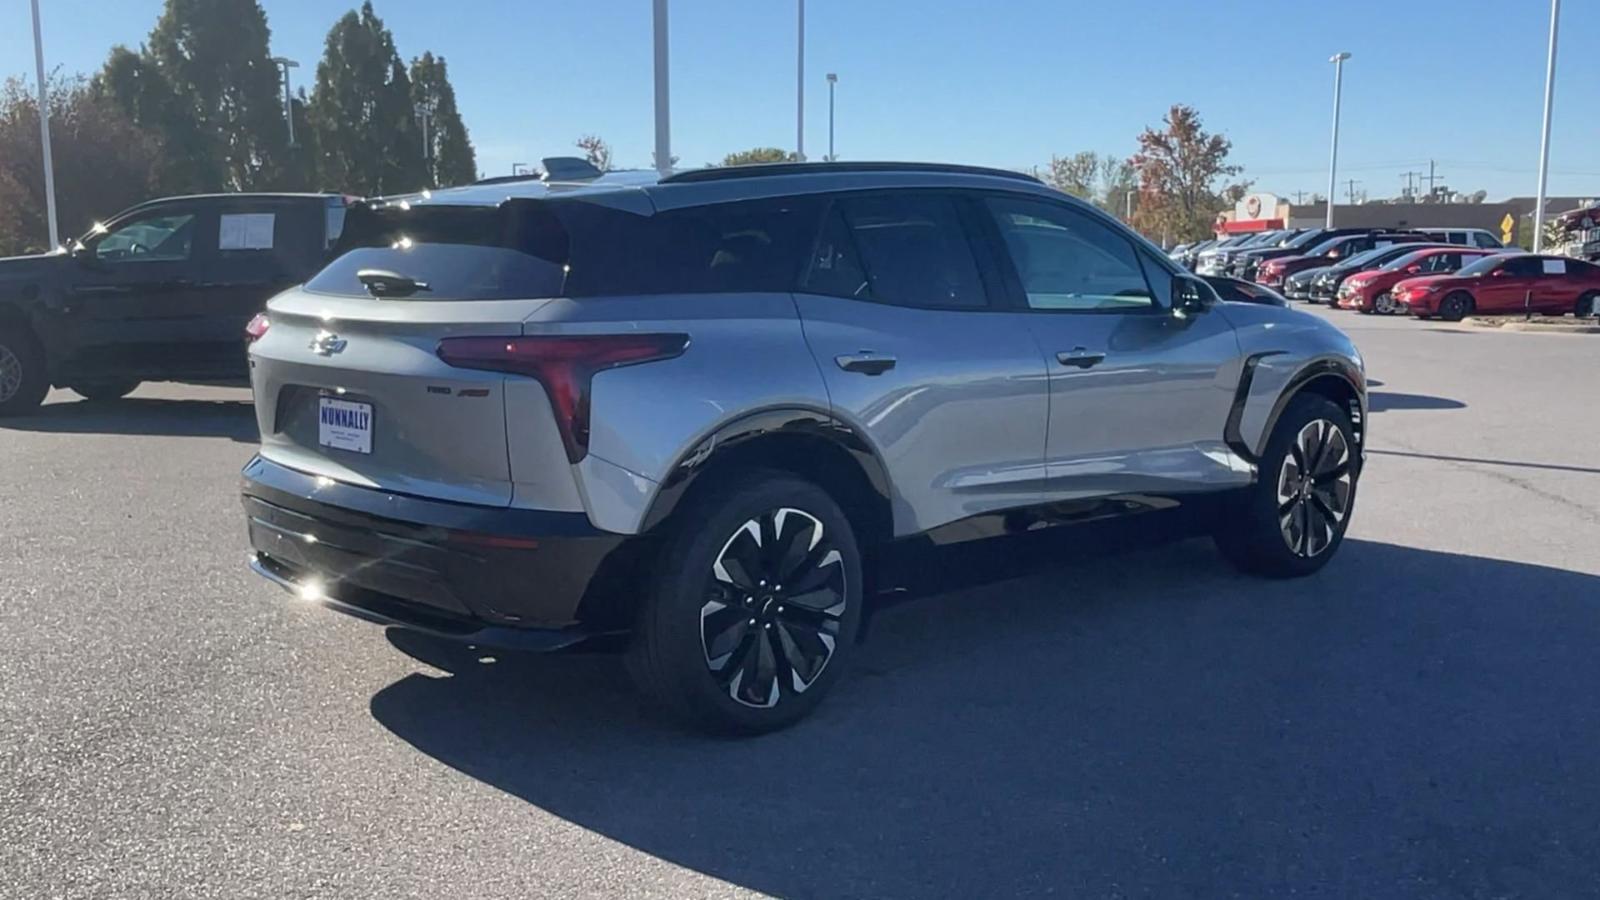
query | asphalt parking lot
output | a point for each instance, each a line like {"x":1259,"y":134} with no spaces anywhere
{"x":1419,"y":719}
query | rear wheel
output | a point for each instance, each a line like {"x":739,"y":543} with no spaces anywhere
{"x":755,"y":605}
{"x":1588,"y":306}
{"x":1293,"y":519}
{"x":23,"y":380}
{"x":1455,"y":307}
{"x":104,"y":390}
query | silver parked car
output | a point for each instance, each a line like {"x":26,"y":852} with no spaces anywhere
{"x":694,"y":411}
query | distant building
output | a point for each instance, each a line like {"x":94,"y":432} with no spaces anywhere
{"x":1271,"y":212}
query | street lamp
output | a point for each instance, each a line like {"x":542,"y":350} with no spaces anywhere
{"x":285,"y":63}
{"x":833,"y":79}
{"x":1544,"y":135}
{"x":800,"y":87}
{"x":44,"y":134}
{"x":424,"y":116}
{"x":1333,"y":155}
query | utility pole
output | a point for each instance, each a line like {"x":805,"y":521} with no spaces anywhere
{"x":800,"y":87}
{"x":1544,"y":136}
{"x":1411,"y":190}
{"x":1431,"y":178}
{"x":44,"y":134}
{"x":1299,"y":197}
{"x":1350,"y":190}
{"x":663,"y":115}
{"x":425,"y":116}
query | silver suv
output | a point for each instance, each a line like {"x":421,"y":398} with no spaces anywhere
{"x":695,"y":412}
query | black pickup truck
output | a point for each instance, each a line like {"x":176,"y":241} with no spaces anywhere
{"x":160,"y":292}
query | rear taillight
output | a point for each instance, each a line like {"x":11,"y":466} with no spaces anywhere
{"x":257,"y":329}
{"x":565,"y":365}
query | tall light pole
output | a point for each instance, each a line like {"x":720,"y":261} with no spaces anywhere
{"x":1333,"y":155}
{"x":285,"y":63}
{"x":663,"y":123}
{"x":833,"y":79}
{"x":44,"y":134}
{"x":800,"y":86}
{"x":425,"y":117}
{"x":1544,"y":135}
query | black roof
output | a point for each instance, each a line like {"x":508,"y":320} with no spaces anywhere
{"x":762,"y":170}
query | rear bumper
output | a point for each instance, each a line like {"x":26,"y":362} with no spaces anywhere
{"x":485,"y":575}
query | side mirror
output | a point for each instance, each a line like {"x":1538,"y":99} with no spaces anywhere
{"x":1499,"y":273}
{"x":1190,"y":296}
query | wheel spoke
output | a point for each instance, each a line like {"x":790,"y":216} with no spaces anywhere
{"x":1325,"y":507}
{"x":1334,"y":452}
{"x":796,"y":535}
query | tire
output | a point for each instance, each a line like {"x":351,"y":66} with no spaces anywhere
{"x":1275,"y":528}
{"x":1587,"y":306}
{"x":1383,"y":304}
{"x":23,"y":377}
{"x":694,"y":652}
{"x":105,"y":391}
{"x":1456,"y":307}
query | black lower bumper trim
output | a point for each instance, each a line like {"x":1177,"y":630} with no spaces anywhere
{"x":382,"y":611}
{"x":447,"y":566}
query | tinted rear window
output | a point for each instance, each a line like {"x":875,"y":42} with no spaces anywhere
{"x":573,"y":248}
{"x":515,"y":250}
{"x":746,"y":246}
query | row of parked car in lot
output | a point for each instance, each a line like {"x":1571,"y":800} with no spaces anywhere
{"x":1449,"y":273}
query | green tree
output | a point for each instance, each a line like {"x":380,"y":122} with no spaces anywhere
{"x":136,"y":85}
{"x":103,"y":163}
{"x":1075,"y":174}
{"x":1179,"y":169}
{"x":451,"y":159}
{"x":759,"y":155}
{"x":361,"y":115}
{"x":215,"y":55}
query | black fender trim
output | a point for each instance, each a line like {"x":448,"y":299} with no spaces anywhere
{"x":1321,"y":368}
{"x":1241,"y":399}
{"x":793,"y":421}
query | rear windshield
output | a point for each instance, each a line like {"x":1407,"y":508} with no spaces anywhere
{"x":574,"y":248}
{"x":517,"y":249}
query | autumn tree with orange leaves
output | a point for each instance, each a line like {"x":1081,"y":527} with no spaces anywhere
{"x":1183,"y":172}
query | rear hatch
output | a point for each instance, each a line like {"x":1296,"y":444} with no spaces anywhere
{"x":347,"y":380}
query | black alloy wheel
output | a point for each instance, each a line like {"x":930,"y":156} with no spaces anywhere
{"x":1314,"y":488}
{"x":1455,"y":307}
{"x":775,"y":598}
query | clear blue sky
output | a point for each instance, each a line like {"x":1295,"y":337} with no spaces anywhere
{"x":1460,"y":81}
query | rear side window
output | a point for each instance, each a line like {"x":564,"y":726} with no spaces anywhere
{"x":1482,"y":239}
{"x":909,"y":250}
{"x":745,"y":246}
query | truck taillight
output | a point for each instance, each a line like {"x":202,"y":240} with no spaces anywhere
{"x":257,"y":329}
{"x":565,"y":365}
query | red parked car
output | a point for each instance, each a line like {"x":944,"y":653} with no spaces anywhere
{"x":1369,"y":291}
{"x":1505,"y":284}
{"x":1342,"y":246}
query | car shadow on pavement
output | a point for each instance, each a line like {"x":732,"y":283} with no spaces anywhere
{"x":144,"y":416}
{"x":1384,"y":401}
{"x":1407,"y":721}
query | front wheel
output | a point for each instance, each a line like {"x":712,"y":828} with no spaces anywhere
{"x":104,"y":391}
{"x":1455,"y":307}
{"x":755,"y":606}
{"x":1292,"y":520}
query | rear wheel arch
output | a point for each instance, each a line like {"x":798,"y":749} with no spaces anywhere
{"x":808,"y":443}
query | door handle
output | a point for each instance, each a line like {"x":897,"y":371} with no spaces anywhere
{"x":866,"y":362}
{"x":1080,"y":357}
